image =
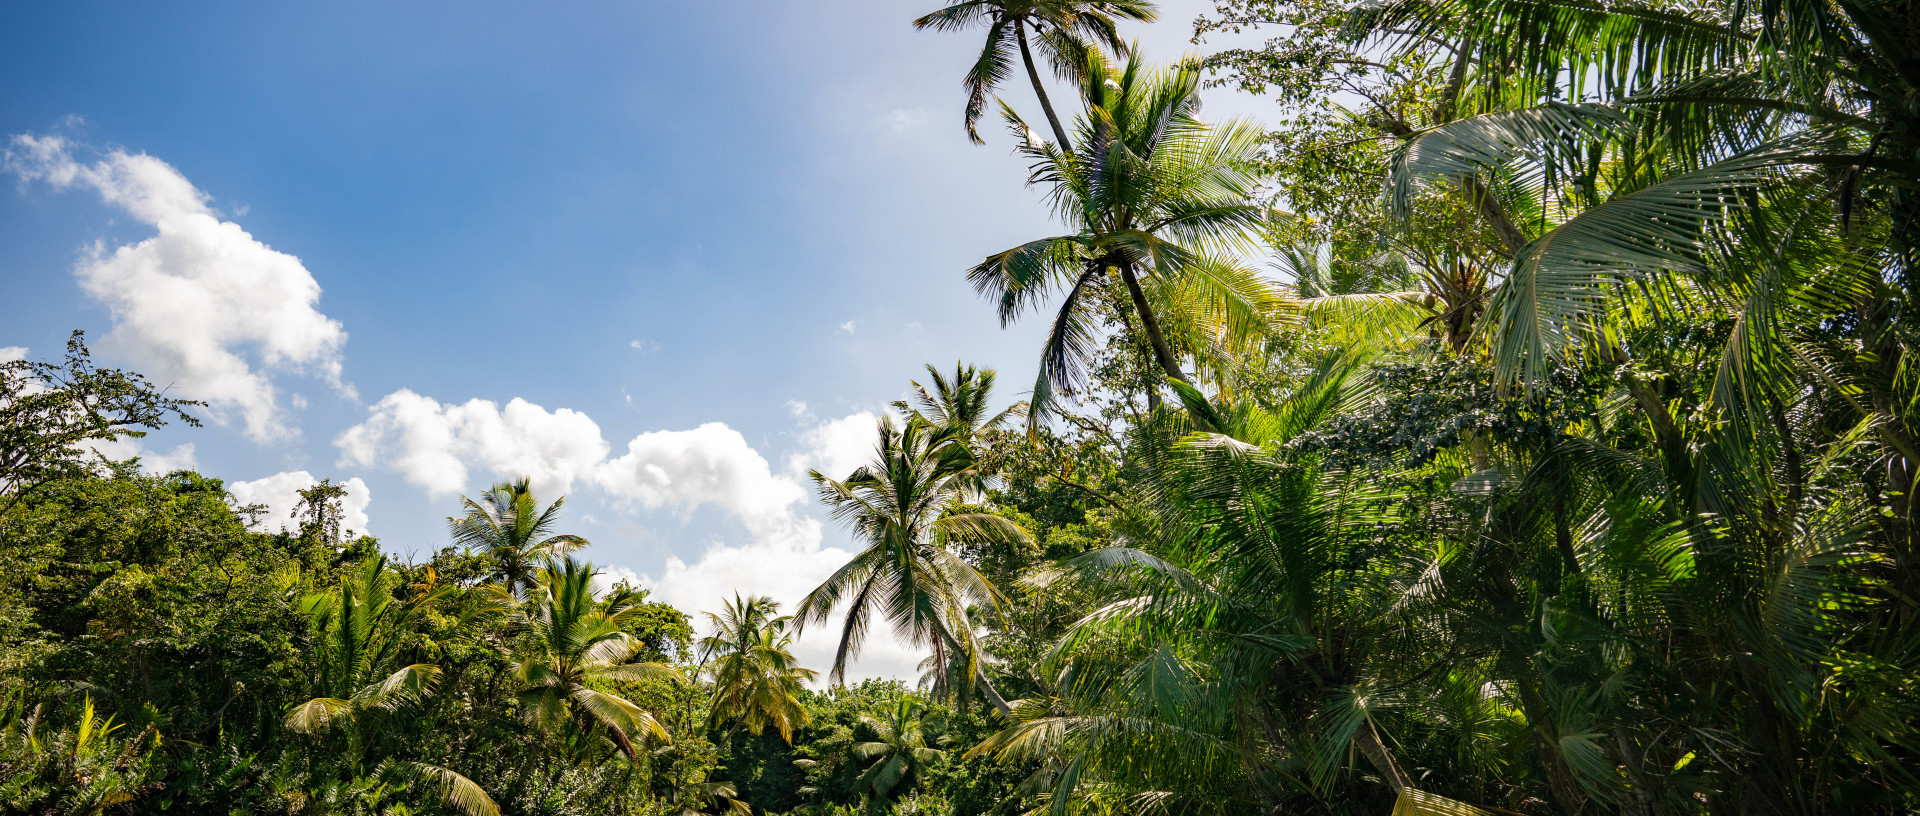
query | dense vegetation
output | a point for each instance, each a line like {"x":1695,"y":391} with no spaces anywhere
{"x":1565,"y":461}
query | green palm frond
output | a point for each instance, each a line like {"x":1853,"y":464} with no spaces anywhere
{"x":452,"y":788}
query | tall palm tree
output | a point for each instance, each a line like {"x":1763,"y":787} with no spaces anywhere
{"x":899,"y":750}
{"x":1067,"y":30}
{"x":576,"y":644}
{"x":958,"y":408}
{"x":958,"y":404}
{"x":756,"y":680}
{"x":902,"y":506}
{"x":508,"y":525}
{"x":1158,"y":202}
{"x":359,"y":630}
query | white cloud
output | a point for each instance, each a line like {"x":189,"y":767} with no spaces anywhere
{"x":10,"y":354}
{"x":645,"y":346}
{"x":797,"y":408}
{"x":280,"y":494}
{"x":781,"y":553}
{"x":181,"y":457}
{"x":903,"y":119}
{"x":836,"y":447}
{"x":202,"y":305}
{"x":435,"y":446}
{"x":711,"y":464}
{"x":608,"y":576}
{"x":849,"y":326}
{"x":786,"y":572}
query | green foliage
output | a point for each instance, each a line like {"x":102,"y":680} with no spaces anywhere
{"x":1570,"y":467}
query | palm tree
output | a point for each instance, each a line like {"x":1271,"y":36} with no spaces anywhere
{"x":902,"y":506}
{"x":508,"y":525}
{"x":756,"y":681}
{"x":1068,"y":31}
{"x":898,"y":751}
{"x":700,"y":796}
{"x":1158,"y":201}
{"x":359,"y":632}
{"x":958,"y":404}
{"x":576,"y":645}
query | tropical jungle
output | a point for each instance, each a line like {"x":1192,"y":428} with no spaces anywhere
{"x":1518,"y":422}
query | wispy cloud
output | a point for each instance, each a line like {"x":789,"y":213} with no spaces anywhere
{"x":902,"y":120}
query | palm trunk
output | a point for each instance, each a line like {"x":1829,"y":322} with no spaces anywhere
{"x":979,"y":676}
{"x":993,"y":695}
{"x":1039,"y":89}
{"x":1369,"y":744}
{"x":1162,"y":353}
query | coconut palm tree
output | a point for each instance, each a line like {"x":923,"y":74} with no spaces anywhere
{"x":958,"y":404}
{"x":1067,"y":31}
{"x":508,"y":525}
{"x":902,"y":507}
{"x":899,"y":751}
{"x":1158,"y":202}
{"x":574,"y":645}
{"x":359,"y":630}
{"x":756,"y":681}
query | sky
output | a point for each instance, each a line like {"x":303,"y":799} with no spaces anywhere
{"x":660,"y":258}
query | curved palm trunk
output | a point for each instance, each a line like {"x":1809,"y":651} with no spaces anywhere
{"x":1368,"y":742}
{"x":1162,"y":353}
{"x":979,"y":677}
{"x":1039,"y":89}
{"x":993,"y":694}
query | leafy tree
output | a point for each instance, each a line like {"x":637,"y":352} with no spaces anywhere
{"x":50,"y":415}
{"x":359,"y":636}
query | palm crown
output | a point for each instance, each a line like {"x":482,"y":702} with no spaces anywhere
{"x":1158,"y":202}
{"x":756,"y":681}
{"x":575,"y":645}
{"x":902,"y":506}
{"x":898,"y":750}
{"x":508,"y":525}
{"x":1068,"y":31}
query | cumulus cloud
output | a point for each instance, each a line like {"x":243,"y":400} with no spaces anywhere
{"x":437,"y":446}
{"x":181,"y":457}
{"x":10,"y":354}
{"x":711,"y":464}
{"x":441,"y":447}
{"x":201,"y":305}
{"x":849,"y":326}
{"x":280,"y":494}
{"x":836,"y":447}
{"x":785,"y":571}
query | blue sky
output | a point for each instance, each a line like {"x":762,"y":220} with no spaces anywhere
{"x":700,"y":243}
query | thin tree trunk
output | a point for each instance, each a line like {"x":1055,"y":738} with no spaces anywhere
{"x":1040,"y":89}
{"x":1476,"y":192}
{"x":1445,"y":110}
{"x":979,"y":676}
{"x":993,"y":695}
{"x":1162,"y":352}
{"x":1369,"y":744}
